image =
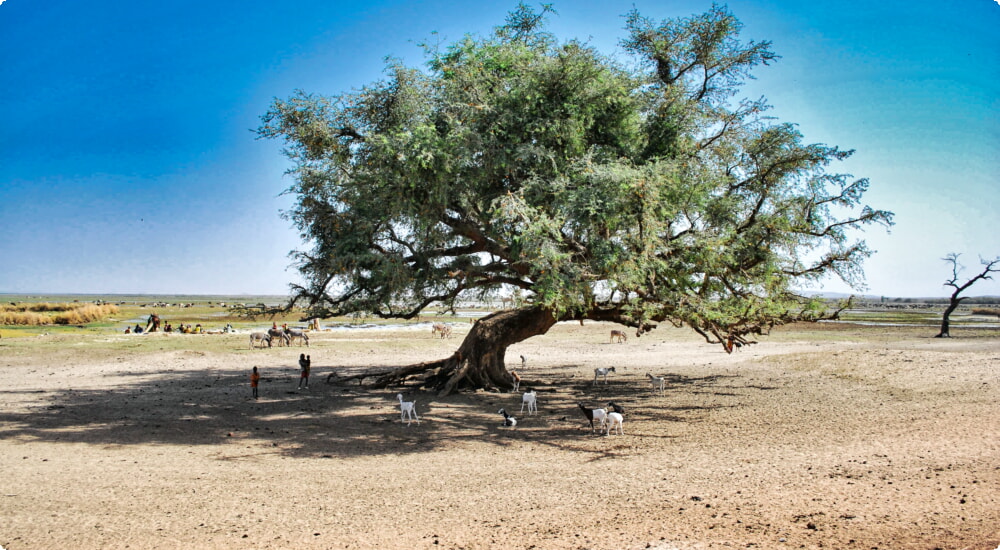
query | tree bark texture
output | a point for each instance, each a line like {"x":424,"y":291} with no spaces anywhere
{"x":479,"y":361}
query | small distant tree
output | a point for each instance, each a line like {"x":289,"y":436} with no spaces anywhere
{"x":989,"y":267}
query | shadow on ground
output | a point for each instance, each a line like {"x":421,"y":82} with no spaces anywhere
{"x":184,"y":407}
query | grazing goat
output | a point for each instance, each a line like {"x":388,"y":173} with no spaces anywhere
{"x":618,"y":336}
{"x":407,"y":410}
{"x":617,"y":408}
{"x":508,"y":420}
{"x":602,"y":371}
{"x":516,"y":379}
{"x":600,"y":415}
{"x":260,"y":338}
{"x":615,"y":420}
{"x":530,"y":399}
{"x":441,"y":328}
{"x":658,"y":382}
{"x":297,"y":334}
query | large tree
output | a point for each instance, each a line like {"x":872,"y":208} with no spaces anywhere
{"x":637,"y":190}
{"x":989,"y":267}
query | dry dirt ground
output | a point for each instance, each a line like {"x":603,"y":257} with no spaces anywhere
{"x":835,"y":437}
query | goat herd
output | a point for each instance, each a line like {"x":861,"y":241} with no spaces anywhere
{"x":600,"y":419}
{"x":608,"y":421}
{"x":605,"y":420}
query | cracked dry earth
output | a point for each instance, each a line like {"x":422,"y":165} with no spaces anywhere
{"x":817,"y":437}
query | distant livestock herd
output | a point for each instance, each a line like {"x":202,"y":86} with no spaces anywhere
{"x":284,"y":337}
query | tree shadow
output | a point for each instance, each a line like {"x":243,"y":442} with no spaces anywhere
{"x":192,"y":407}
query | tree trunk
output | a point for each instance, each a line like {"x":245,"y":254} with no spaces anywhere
{"x":479,"y":361}
{"x":944,"y":318}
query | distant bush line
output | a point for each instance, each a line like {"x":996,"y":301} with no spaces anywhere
{"x":983,"y":300}
{"x":985,"y":311}
{"x":54,"y":314}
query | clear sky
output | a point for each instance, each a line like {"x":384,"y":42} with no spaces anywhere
{"x":128,"y":161}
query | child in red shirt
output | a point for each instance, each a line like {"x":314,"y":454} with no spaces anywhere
{"x":254,"y":381}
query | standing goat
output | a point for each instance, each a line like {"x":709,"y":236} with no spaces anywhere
{"x":508,"y":420}
{"x":529,"y":399}
{"x":658,"y":382}
{"x":516,"y":378}
{"x":602,"y":371}
{"x":617,"y":408}
{"x":599,"y":415}
{"x":407,"y":410}
{"x":618,"y":336}
{"x":615,"y":420}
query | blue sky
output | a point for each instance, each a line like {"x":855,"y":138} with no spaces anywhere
{"x":128,"y":162}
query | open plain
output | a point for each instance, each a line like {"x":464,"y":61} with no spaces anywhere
{"x":819,"y":436}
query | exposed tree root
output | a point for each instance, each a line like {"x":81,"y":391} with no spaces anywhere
{"x":478,"y":362}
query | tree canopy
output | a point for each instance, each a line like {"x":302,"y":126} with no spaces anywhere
{"x":638,"y":190}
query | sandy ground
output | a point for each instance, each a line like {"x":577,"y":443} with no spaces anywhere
{"x":885,"y":439}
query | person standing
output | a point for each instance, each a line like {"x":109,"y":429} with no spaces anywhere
{"x":305,"y":363}
{"x":254,"y":381}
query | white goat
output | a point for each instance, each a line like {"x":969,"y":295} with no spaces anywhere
{"x":658,"y":382}
{"x":508,"y":420}
{"x":602,"y":371}
{"x":615,"y":420}
{"x":529,"y":399}
{"x":407,"y":410}
{"x":600,"y":418}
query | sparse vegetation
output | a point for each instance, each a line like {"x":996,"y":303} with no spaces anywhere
{"x":39,"y":314}
{"x":985,"y":311}
{"x":31,"y":315}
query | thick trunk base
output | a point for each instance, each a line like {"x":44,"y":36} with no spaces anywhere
{"x":479,"y":361}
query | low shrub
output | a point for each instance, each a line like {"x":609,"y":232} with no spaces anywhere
{"x":60,"y":314}
{"x":22,"y":318}
{"x":985,"y":311}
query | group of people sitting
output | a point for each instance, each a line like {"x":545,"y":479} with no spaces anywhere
{"x":185,"y":329}
{"x":152,"y":327}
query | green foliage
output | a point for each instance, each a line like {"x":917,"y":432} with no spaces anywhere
{"x":637,"y":191}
